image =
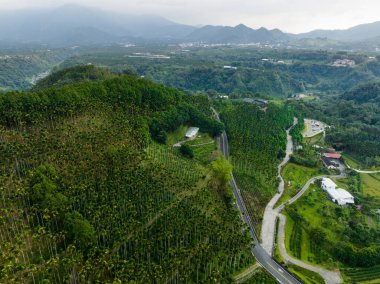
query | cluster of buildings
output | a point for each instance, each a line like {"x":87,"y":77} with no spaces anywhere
{"x":337,"y":195}
{"x":344,"y":63}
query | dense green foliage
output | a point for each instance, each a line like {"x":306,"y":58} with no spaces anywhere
{"x":283,"y":72}
{"x":366,"y":93}
{"x":186,"y":151}
{"x":355,"y":121}
{"x":86,"y":196}
{"x":257,"y":142}
{"x":73,"y":75}
{"x":19,"y":71}
{"x":356,"y":275}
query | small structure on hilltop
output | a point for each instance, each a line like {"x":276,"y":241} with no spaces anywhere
{"x":192,"y":132}
{"x":338,"y":195}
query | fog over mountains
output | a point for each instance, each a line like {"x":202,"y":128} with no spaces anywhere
{"x":78,"y":25}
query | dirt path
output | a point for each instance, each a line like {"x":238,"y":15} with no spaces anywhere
{"x":270,"y":214}
{"x":330,"y":277}
{"x":246,"y":274}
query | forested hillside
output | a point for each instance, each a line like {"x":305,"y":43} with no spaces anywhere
{"x":21,"y":70}
{"x":355,"y":120}
{"x":257,"y":144}
{"x":265,"y":71}
{"x":87,"y":196}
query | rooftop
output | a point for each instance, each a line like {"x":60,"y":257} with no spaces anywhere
{"x":332,"y":155}
{"x":192,"y":132}
{"x":328,"y":182}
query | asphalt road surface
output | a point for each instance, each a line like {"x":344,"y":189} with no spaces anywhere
{"x":276,"y":270}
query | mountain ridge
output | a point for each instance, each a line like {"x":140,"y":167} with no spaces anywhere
{"x":71,"y":24}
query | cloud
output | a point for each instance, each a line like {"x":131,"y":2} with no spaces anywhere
{"x":289,"y":15}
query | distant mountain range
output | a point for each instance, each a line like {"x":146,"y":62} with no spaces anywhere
{"x":77,"y":25}
{"x":238,"y":34}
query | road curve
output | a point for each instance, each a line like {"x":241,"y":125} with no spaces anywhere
{"x":276,"y":270}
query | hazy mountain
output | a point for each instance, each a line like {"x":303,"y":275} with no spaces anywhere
{"x":238,"y":34}
{"x":72,"y":24}
{"x":357,"y":33}
{"x":78,"y":25}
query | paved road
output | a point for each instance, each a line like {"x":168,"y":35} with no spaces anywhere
{"x":270,"y":214}
{"x":276,"y":270}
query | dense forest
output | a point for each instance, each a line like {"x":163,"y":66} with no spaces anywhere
{"x":257,"y":141}
{"x":20,"y":70}
{"x":265,"y":71}
{"x":88,"y":195}
{"x":354,"y":117}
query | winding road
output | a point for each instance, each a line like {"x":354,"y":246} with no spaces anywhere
{"x":265,"y":259}
{"x":270,"y":214}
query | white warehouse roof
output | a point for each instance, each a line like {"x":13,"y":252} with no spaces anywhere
{"x":339,"y":195}
{"x":328,"y":182}
{"x":192,"y":132}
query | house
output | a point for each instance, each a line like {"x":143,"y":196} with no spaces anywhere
{"x":331,"y":164}
{"x":338,"y":195}
{"x":192,"y":132}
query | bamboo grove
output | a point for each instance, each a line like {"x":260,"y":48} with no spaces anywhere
{"x":88,"y":197}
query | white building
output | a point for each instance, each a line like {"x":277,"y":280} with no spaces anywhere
{"x":338,"y":195}
{"x":192,"y":132}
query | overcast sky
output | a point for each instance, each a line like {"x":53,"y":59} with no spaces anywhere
{"x":288,"y":15}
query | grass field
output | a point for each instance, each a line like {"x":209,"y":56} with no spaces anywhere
{"x":302,"y":245}
{"x":318,"y":212}
{"x":307,"y":276}
{"x":317,"y":139}
{"x":204,"y":148}
{"x":295,"y":177}
{"x":371,"y":185}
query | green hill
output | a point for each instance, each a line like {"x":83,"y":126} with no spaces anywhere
{"x":87,"y":194}
{"x":73,"y":75}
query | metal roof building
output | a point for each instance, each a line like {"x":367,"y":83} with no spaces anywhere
{"x":339,"y":195}
{"x":192,"y":132}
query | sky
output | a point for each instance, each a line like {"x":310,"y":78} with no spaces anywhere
{"x":288,"y":15}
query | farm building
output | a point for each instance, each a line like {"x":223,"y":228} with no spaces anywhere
{"x":338,"y":195}
{"x":331,"y":164}
{"x":192,"y":132}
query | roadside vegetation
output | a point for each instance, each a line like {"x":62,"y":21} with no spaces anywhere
{"x":257,"y":142}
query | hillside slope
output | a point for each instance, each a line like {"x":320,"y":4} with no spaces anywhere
{"x":88,"y":196}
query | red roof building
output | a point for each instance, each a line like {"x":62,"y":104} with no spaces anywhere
{"x":332,"y":156}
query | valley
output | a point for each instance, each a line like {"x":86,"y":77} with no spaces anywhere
{"x":135,"y":149}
